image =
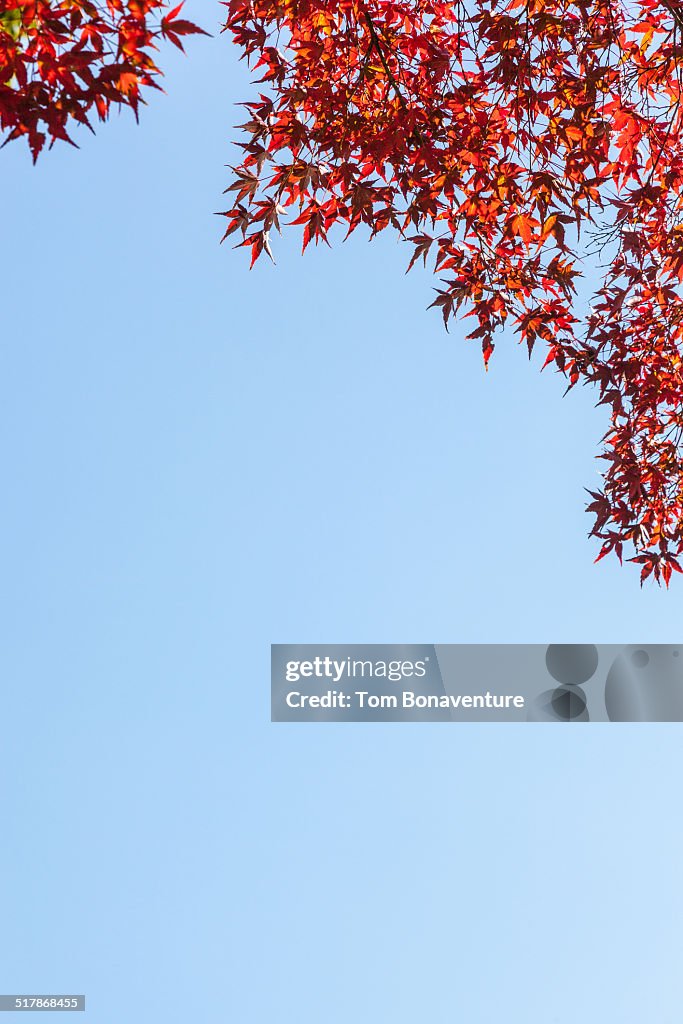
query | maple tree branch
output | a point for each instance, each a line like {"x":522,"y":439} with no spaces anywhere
{"x":675,"y":11}
{"x":380,"y":52}
{"x":666,"y":139}
{"x":494,"y":133}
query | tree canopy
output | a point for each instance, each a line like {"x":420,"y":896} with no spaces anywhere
{"x":513,"y":144}
{"x":59,"y":60}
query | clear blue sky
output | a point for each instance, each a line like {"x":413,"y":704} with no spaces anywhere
{"x":197,"y":461}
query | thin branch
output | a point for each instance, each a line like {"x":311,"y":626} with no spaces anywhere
{"x":380,"y":52}
{"x":671,"y":5}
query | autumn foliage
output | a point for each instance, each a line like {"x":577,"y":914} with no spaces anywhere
{"x":496,"y":137}
{"x":516,"y":145}
{"x":59,"y":60}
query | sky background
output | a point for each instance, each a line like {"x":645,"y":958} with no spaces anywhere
{"x":198,"y":461}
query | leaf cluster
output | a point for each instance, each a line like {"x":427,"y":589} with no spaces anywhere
{"x":60,"y":60}
{"x":506,"y":141}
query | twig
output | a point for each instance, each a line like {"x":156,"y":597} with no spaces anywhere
{"x":378,"y":47}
